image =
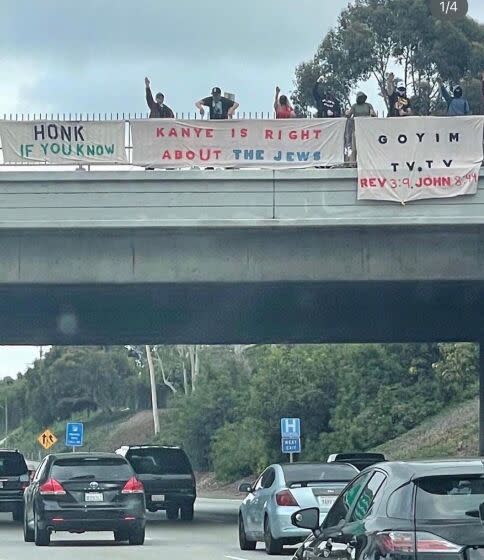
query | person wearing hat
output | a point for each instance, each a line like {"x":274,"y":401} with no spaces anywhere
{"x":359,"y":109}
{"x":158,"y":109}
{"x":398,"y":102}
{"x":457,"y":105}
{"x":327,"y":104}
{"x":220,"y":107}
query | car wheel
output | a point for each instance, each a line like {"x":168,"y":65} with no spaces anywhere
{"x":120,"y":536}
{"x":41,"y":536}
{"x":172,"y":513}
{"x":244,"y":542}
{"x":187,"y":512}
{"x":18,"y":513}
{"x":273,"y":546}
{"x":29,"y":534}
{"x":137,"y":536}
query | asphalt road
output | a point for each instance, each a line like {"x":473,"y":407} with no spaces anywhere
{"x":211,"y":536}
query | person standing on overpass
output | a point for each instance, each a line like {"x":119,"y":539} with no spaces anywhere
{"x":220,"y":107}
{"x":158,"y":109}
{"x":282,"y":107}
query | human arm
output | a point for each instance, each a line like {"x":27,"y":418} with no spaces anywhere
{"x":232,"y":109}
{"x":276,"y":100}
{"x":372,"y":111}
{"x":199,"y":105}
{"x":149,"y":96}
{"x":171,"y":114}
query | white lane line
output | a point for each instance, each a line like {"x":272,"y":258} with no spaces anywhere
{"x":235,"y":558}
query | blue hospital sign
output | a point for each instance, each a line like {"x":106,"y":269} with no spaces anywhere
{"x":291,"y":428}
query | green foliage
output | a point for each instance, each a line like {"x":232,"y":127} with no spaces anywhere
{"x":373,"y":37}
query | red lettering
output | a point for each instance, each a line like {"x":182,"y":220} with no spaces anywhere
{"x":293,"y":134}
{"x":317,"y":134}
{"x":206,"y":156}
{"x":381,"y":182}
{"x":304,"y":134}
{"x":190,"y":155}
{"x":160,"y":132}
{"x":197,"y":131}
{"x":178,"y":154}
{"x":173,"y":133}
{"x":186,"y":132}
{"x":217,"y":153}
{"x":372,"y":182}
{"x":363,"y":182}
{"x":243,"y":133}
{"x":209,"y":133}
{"x":268,"y":134}
{"x":166,"y":155}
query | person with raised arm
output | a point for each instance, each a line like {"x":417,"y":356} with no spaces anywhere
{"x":158,"y":109}
{"x":282,"y":107}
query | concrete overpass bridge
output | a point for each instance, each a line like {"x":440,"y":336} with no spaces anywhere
{"x":234,"y":257}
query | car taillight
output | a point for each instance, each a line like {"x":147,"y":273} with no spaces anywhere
{"x":133,"y":486}
{"x":404,"y":542}
{"x":52,"y":488}
{"x":285,"y":498}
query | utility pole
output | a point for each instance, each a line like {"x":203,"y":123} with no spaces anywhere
{"x":6,"y":417}
{"x":154,"y":398}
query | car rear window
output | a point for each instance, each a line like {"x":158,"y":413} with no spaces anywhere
{"x":449,"y":497}
{"x":12,"y":464}
{"x":318,"y":472}
{"x":159,"y":460}
{"x":95,"y":468}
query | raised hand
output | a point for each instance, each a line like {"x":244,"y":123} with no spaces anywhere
{"x":147,"y":82}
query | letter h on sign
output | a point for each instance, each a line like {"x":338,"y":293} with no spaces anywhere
{"x":290,"y":427}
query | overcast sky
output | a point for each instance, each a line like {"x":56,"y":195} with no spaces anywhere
{"x":92,"y":56}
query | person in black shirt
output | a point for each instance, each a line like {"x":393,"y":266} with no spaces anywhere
{"x":398,"y":102}
{"x":158,"y":109}
{"x":327,"y":104}
{"x":220,"y":107}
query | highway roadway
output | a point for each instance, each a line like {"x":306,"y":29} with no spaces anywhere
{"x":211,"y":536}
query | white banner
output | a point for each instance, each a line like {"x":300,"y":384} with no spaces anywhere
{"x":61,"y":142}
{"x":411,"y":158}
{"x":238,"y":143}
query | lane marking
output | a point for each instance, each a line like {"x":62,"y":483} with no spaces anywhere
{"x":235,"y":558}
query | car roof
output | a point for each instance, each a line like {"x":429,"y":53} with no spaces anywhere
{"x":149,"y":446}
{"x":410,"y":470}
{"x":4,"y":450}
{"x":85,"y":455}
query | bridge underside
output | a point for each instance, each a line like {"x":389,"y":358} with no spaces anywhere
{"x":223,"y":313}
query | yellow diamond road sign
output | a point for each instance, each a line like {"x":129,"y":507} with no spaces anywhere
{"x":47,"y":439}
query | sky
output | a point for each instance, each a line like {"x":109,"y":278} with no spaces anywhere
{"x":93,"y":56}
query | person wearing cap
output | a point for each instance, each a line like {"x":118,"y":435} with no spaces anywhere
{"x":457,"y":105}
{"x":359,"y":109}
{"x":158,"y":109}
{"x":220,"y":107}
{"x":327,"y":104}
{"x":398,"y":102}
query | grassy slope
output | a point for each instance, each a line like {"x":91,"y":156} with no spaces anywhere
{"x":453,"y":432}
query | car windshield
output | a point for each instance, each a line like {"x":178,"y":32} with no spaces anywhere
{"x":449,"y":497}
{"x":159,"y":461}
{"x":318,"y":472}
{"x":92,"y":468}
{"x":12,"y":464}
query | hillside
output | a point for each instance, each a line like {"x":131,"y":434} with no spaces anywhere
{"x":452,"y":432}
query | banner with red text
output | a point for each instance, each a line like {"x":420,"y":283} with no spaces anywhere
{"x":63,"y":142}
{"x":270,"y":144}
{"x":411,"y":158}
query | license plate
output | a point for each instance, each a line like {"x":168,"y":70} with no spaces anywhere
{"x":94,"y":497}
{"x":326,"y":501}
{"x":158,"y":498}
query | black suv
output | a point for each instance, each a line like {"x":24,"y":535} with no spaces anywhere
{"x":14,"y":479}
{"x":167,"y":476}
{"x":78,"y":492}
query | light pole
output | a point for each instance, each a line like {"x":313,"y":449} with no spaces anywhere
{"x":134,"y":352}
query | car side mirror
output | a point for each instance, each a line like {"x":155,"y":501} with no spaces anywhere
{"x":245,"y":488}
{"x":306,"y":519}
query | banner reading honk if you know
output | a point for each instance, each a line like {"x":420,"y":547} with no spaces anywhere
{"x":411,"y":158}
{"x":60,"y":142}
{"x":232,"y":143}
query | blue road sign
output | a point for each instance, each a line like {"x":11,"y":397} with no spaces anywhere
{"x":291,"y":445}
{"x":290,"y":428}
{"x":75,"y":434}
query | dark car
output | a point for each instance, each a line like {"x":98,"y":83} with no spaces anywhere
{"x":359,"y":460}
{"x":79,"y":492}
{"x":403,"y":510}
{"x":167,"y":476}
{"x":14,"y":479}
